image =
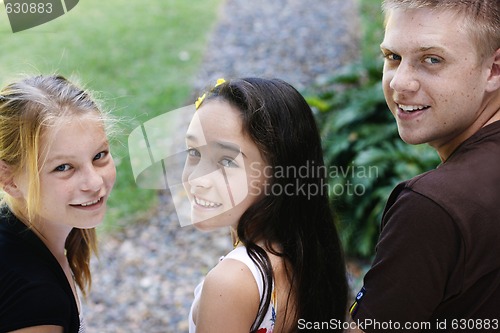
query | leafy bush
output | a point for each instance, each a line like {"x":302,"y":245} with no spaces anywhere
{"x":363,"y":152}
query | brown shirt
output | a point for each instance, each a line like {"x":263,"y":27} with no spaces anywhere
{"x":437,"y":264}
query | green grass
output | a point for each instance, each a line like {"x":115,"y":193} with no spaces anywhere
{"x":140,"y":56}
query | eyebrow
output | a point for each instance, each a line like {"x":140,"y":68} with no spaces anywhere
{"x":59,"y":158}
{"x":384,"y":48}
{"x":429,"y":48}
{"x":220,"y":144}
{"x":62,"y":157}
{"x":229,"y":146}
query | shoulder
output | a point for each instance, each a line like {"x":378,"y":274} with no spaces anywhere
{"x":31,"y":293}
{"x":229,"y":299}
{"x":21,"y":244}
{"x":27,"y":302}
{"x":466,"y":187}
{"x":409,"y":204}
{"x":240,"y":254}
{"x":472,"y":167}
{"x":233,"y":279}
{"x":28,"y":261}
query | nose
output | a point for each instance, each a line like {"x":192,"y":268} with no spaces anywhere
{"x":200,"y":175}
{"x":404,"y":79}
{"x":92,"y":179}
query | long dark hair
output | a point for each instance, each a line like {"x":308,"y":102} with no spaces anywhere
{"x":282,"y":125}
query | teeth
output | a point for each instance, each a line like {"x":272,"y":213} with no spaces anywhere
{"x":90,"y":203}
{"x":410,"y":108}
{"x":206,"y":204}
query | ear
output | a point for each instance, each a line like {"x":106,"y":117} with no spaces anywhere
{"x":493,"y":83}
{"x":7,"y":180}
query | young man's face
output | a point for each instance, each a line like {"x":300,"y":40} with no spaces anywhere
{"x":433,"y":81}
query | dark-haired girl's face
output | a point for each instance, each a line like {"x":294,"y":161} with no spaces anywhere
{"x":223,"y":174}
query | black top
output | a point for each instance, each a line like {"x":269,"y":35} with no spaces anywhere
{"x":34,"y":290}
{"x":437,"y":257}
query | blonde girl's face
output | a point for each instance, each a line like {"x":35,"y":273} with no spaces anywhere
{"x":77,"y":173}
{"x":223,"y":175}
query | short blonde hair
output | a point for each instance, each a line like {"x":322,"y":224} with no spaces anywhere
{"x":481,"y":18}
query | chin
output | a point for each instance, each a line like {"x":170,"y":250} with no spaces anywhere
{"x":207,"y":224}
{"x":89,"y":226}
{"x":91,"y":223}
{"x":410,"y":139}
{"x":204,"y":226}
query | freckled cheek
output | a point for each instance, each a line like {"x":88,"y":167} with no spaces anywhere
{"x":57,"y":192}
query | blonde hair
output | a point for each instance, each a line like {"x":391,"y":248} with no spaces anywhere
{"x":481,"y":18}
{"x":27,"y":108}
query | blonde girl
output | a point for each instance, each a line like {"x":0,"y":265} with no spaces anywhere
{"x":56,"y":172}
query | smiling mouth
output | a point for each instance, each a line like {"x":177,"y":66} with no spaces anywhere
{"x":90,"y":203}
{"x":412,"y":108}
{"x":206,"y":203}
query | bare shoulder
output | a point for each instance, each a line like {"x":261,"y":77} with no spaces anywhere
{"x":229,"y":299}
{"x":232,"y":279}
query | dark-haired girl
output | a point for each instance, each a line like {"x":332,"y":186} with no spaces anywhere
{"x":246,"y":144}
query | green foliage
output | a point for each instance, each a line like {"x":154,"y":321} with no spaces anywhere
{"x":365,"y":156}
{"x":371,"y":28}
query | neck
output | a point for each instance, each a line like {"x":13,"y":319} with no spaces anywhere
{"x":495,"y":106}
{"x":54,"y":237}
{"x":490,"y":113}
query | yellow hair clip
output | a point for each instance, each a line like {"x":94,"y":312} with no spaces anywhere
{"x":199,"y":101}
{"x":202,"y":98}
{"x":219,"y":82}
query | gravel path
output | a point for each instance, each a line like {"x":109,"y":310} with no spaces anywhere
{"x":146,"y":274}
{"x":301,"y":42}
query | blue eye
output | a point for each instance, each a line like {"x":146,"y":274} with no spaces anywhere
{"x":432,"y":60}
{"x":101,"y":155}
{"x":228,"y":163}
{"x":193,"y":152}
{"x":62,"y":168}
{"x":392,"y":57}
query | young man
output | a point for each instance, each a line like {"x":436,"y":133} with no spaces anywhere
{"x":437,"y":263}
